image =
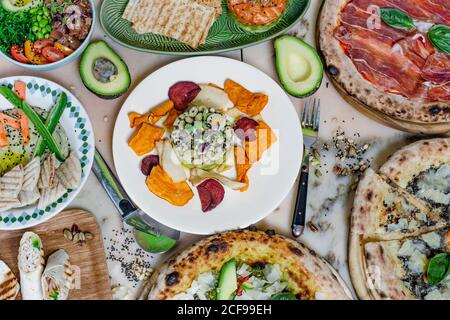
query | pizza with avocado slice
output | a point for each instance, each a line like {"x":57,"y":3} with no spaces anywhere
{"x":247,"y":265}
{"x":411,"y":268}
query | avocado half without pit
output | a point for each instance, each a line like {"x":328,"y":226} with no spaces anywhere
{"x":299,"y":66}
{"x":103,"y":71}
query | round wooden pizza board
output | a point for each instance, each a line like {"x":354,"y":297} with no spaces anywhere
{"x":396,"y":123}
{"x":93,"y":282}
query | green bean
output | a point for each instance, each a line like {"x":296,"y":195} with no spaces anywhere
{"x":34,"y":118}
{"x":52,"y":121}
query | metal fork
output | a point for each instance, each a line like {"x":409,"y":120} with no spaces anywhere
{"x":310,"y":117}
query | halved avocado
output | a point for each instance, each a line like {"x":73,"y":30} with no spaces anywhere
{"x":103,"y":71}
{"x":227,"y":281}
{"x":20,"y":5}
{"x":299,"y":66}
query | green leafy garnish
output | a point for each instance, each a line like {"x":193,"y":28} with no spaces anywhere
{"x":15,"y":28}
{"x":36,"y":244}
{"x":397,"y":19}
{"x":54,"y":295}
{"x":283,"y":296}
{"x":439,"y":36}
{"x":438,"y":268}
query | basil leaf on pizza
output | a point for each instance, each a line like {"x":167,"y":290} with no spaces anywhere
{"x":283,"y":296}
{"x":439,"y":36}
{"x":397,"y":19}
{"x":438,"y":268}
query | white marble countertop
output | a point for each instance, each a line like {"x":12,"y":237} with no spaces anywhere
{"x":329,"y":198}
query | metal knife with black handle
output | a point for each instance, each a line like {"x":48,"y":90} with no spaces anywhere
{"x":157,"y":237}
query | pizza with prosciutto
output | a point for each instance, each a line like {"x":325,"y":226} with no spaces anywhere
{"x":392,"y":69}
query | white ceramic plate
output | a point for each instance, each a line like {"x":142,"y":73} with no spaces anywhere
{"x":270,"y":179}
{"x":76,"y":123}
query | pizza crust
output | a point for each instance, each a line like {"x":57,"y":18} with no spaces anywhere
{"x":349,"y":78}
{"x":308,"y":273}
{"x":415,"y":158}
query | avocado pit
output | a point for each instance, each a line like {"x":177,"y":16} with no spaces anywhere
{"x":104,"y":70}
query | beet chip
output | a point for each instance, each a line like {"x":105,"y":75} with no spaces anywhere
{"x":148,"y":163}
{"x":211,"y":194}
{"x":245,"y":129}
{"x":182,"y":93}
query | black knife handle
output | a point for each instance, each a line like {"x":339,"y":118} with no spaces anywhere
{"x":299,"y":217}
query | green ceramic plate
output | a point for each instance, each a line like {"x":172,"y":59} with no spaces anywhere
{"x":223,"y":36}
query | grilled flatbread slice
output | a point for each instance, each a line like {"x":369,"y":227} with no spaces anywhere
{"x":382,"y":211}
{"x":31,"y":266}
{"x":423,"y":169}
{"x":6,"y":204}
{"x":9,"y":286}
{"x":304,"y":274}
{"x":69,"y":173}
{"x":48,"y":196}
{"x":397,"y":269}
{"x":31,"y":174}
{"x":47,"y":178}
{"x":28,"y":197}
{"x":11,"y":183}
{"x":183,"y":20}
{"x":216,"y":4}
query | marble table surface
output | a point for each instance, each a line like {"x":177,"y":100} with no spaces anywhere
{"x":330,"y":196}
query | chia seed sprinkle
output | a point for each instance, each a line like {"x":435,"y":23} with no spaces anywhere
{"x":122,"y":248}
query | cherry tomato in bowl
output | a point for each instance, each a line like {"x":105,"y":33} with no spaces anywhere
{"x":52,"y":54}
{"x":18,"y":54}
{"x":41,"y":44}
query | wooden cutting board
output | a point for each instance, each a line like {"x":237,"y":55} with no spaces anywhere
{"x":90,"y":257}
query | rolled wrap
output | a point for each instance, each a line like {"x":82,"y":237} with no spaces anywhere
{"x":31,"y":266}
{"x":57,"y":276}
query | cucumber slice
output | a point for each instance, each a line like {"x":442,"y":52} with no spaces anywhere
{"x":298,"y":65}
{"x":227,"y":281}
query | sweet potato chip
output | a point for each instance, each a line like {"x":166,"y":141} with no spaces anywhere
{"x":163,"y":186}
{"x":144,"y":140}
{"x":171,"y":117}
{"x":242,"y":166}
{"x":247,"y":102}
{"x":153,"y":116}
{"x":136,"y":119}
{"x":265,"y":138}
